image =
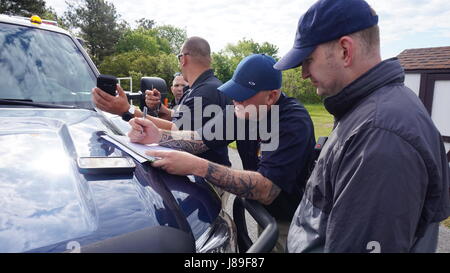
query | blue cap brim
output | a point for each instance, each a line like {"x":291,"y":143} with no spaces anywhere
{"x":294,"y":58}
{"x":236,"y":91}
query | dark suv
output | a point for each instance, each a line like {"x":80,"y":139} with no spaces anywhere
{"x":47,"y":121}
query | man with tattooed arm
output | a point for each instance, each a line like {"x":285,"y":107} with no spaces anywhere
{"x":276,"y":165}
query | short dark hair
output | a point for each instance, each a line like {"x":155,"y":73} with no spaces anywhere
{"x":199,"y":49}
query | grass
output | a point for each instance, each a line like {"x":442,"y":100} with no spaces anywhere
{"x":446,"y":222}
{"x":232,"y":145}
{"x":322,"y":120}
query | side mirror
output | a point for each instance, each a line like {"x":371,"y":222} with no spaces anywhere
{"x":147,"y":83}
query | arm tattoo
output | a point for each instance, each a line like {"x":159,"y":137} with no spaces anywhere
{"x":247,"y":184}
{"x":188,"y":141}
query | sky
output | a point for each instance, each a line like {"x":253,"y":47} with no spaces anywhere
{"x":404,"y":24}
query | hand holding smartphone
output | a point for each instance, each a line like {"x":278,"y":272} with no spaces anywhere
{"x":107,"y":83}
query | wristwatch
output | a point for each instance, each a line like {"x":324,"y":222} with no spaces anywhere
{"x":129,"y":114}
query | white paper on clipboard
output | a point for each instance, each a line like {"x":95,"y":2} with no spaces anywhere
{"x":137,"y":151}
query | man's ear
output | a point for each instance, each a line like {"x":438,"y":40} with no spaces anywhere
{"x":347,"y":47}
{"x":272,"y":98}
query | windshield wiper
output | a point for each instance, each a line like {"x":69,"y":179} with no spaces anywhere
{"x":34,"y":104}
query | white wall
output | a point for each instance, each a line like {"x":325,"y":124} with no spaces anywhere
{"x":413,"y":82}
{"x":441,"y":106}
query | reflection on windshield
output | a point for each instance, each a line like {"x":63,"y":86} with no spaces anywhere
{"x":42,"y":66}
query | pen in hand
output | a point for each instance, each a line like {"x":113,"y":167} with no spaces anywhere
{"x":145,"y":112}
{"x":144,"y":115}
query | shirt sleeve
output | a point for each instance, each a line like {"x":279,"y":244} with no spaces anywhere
{"x":190,"y":114}
{"x":287,"y":164}
{"x":379,"y":191}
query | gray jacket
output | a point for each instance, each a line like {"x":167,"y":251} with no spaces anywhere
{"x":381,"y":183}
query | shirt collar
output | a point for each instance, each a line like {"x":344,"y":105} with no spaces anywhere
{"x":203,"y":77}
{"x":384,"y":73}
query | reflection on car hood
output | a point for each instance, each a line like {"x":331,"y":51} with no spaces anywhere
{"x":46,"y":203}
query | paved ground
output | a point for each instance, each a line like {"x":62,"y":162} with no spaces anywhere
{"x":444,"y":240}
{"x":251,"y":224}
{"x":444,"y":232}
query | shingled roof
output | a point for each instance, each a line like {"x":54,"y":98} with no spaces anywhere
{"x":425,"y":58}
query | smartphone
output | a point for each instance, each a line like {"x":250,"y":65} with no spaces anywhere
{"x":107,"y":83}
{"x":106,"y":165}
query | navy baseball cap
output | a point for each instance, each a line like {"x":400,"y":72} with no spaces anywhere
{"x":253,"y":74}
{"x":326,"y":21}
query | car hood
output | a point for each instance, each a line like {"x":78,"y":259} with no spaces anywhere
{"x":46,"y":204}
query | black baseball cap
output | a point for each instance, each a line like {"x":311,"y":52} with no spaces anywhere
{"x":326,"y":21}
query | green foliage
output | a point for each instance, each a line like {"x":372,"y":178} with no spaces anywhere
{"x":138,"y":64}
{"x":50,"y":14}
{"x":145,"y":51}
{"x":143,"y":40}
{"x":246,"y":47}
{"x":145,"y":23}
{"x":295,"y":86}
{"x":446,"y":222}
{"x":223,"y":66}
{"x":225,"y":61}
{"x":175,"y":36}
{"x":98,"y":24}
{"x":24,"y":8}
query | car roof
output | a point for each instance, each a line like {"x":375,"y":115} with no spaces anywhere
{"x":25,"y":21}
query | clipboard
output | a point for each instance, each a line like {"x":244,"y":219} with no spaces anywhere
{"x":135,"y":150}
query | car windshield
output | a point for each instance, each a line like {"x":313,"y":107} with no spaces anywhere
{"x":43,"y":66}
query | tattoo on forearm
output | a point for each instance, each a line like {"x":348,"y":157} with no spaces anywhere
{"x":183,"y":140}
{"x":247,"y":184}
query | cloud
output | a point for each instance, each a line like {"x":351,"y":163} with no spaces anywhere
{"x":222,"y":22}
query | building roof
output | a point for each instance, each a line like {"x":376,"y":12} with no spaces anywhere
{"x":425,"y":58}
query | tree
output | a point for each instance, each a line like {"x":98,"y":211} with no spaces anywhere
{"x":175,"y":36}
{"x":98,"y":24}
{"x":223,"y":66}
{"x":246,"y":47}
{"x":145,"y":51}
{"x":23,"y":7}
{"x":145,"y":23}
{"x":225,"y":61}
{"x":295,"y":86}
{"x":143,"y":40}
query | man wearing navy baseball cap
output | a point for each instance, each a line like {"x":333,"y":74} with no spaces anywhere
{"x":275,"y":175}
{"x":381,"y":182}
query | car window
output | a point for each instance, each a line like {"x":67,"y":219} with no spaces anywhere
{"x":43,"y":66}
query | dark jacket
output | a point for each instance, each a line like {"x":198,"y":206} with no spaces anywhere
{"x":382,"y":180}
